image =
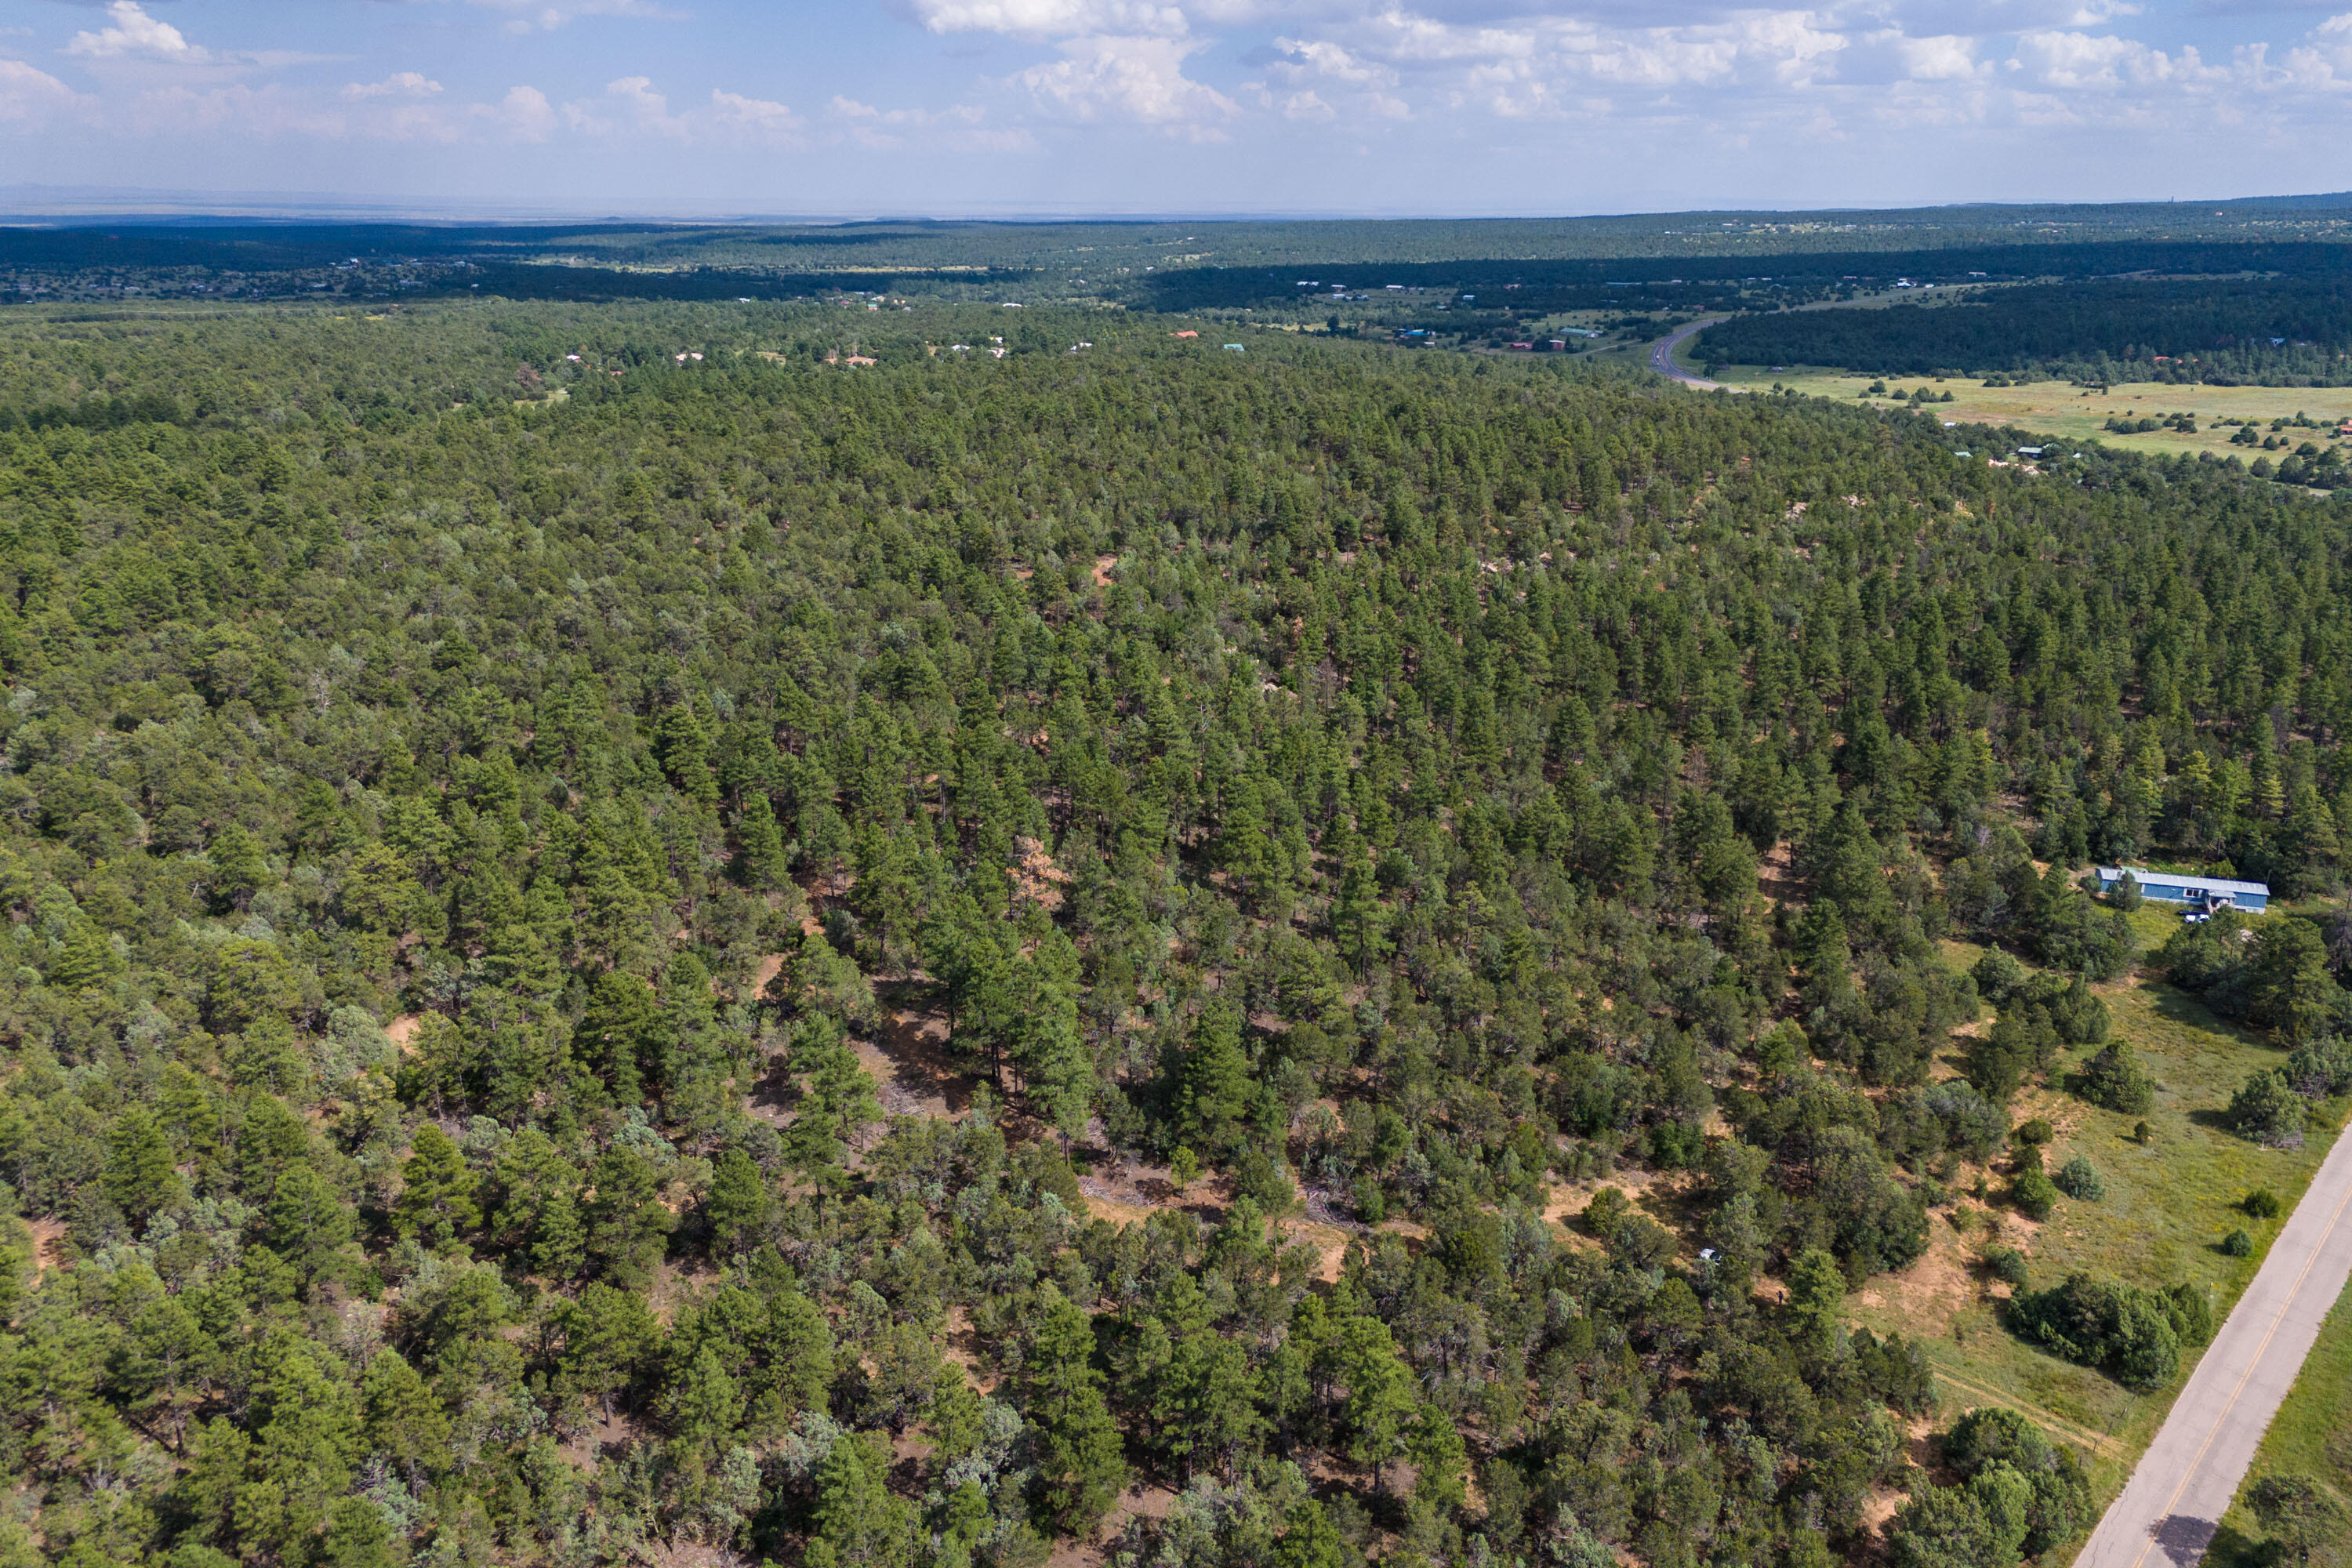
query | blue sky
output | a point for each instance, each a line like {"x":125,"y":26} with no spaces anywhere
{"x":947,"y":107}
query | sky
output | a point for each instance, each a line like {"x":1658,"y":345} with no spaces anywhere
{"x":945,"y":108}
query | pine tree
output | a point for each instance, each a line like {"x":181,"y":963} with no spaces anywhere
{"x":139,"y":1178}
{"x":404,"y":1420}
{"x":609,"y":1337}
{"x":1055,"y":1064}
{"x":239,"y":869}
{"x":559,"y":1242}
{"x":759,"y":844}
{"x":1359,"y":1353}
{"x":437,"y":1196}
{"x":1079,"y":1470}
{"x":858,"y":1522}
{"x":309,"y":1222}
{"x":85,"y":961}
{"x":1216,"y":1090}
{"x":307,"y":1439}
{"x":838,"y":1102}
{"x":1357,"y":919}
{"x":739,"y":1206}
{"x":616,"y":1032}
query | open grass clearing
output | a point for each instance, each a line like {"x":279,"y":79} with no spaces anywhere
{"x":2063,"y":409}
{"x":2170,"y":1202}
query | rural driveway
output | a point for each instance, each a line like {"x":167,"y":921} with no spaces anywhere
{"x":1661,"y":355}
{"x":2172,"y":1506}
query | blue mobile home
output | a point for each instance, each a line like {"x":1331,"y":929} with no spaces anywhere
{"x":2198,"y":893}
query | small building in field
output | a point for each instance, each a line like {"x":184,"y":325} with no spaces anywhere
{"x":2198,"y":893}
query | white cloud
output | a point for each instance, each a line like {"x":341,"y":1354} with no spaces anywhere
{"x":1322,"y":58}
{"x":526,"y":114}
{"x":546,"y":16}
{"x":1139,"y":78}
{"x":2078,"y":62}
{"x":400,"y":84}
{"x":137,"y":35}
{"x":631,"y":108}
{"x":960,"y":127}
{"x":753,"y":116}
{"x":29,"y":95}
{"x":1052,"y":19}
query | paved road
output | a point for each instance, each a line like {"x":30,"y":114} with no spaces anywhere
{"x":2169,"y":1511}
{"x":1661,"y":355}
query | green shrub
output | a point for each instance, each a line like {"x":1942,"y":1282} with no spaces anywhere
{"x":2078,"y":1178}
{"x":1264,"y":1181}
{"x":2237,"y":1244}
{"x":2133,"y":1334}
{"x":2115,"y":1081}
{"x":2062,"y":1492}
{"x":2033,"y":1133}
{"x":2007,"y":1265}
{"x":2263,"y":1204}
{"x":2034,"y":1194}
{"x":1996,"y":975}
{"x":2266,"y":1109}
{"x":2321,"y":1070}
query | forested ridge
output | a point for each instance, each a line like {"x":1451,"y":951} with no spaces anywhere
{"x":2292,"y":331}
{"x":1352,"y":792}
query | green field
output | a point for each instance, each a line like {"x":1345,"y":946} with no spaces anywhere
{"x":2168,"y":1205}
{"x":2060,"y":408}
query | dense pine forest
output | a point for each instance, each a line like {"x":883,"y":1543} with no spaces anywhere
{"x":2222,"y":331}
{"x":984,"y":960}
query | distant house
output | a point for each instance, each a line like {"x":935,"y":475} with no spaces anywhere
{"x":1186,"y":334}
{"x":2198,"y":893}
{"x":1236,"y":348}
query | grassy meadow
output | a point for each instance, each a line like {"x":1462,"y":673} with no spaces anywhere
{"x":2063,"y":409}
{"x":2170,"y":1202}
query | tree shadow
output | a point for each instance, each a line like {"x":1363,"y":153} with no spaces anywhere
{"x":2184,"y":1539}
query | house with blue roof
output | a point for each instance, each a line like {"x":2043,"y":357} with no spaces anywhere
{"x":2206,"y":893}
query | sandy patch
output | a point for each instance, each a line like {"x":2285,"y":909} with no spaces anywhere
{"x":1880,"y":1507}
{"x":1129,"y":1192}
{"x":609,"y":1438}
{"x":48,"y":1245}
{"x":1937,"y":1287}
{"x":1329,"y":1242}
{"x":1103,"y":564}
{"x":1562,"y":1200}
{"x":959,"y":1344}
{"x":1137,"y":1502}
{"x":912,"y":1069}
{"x":403,"y":1029}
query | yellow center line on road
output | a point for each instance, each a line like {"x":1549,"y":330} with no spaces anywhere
{"x":2189,"y":1473}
